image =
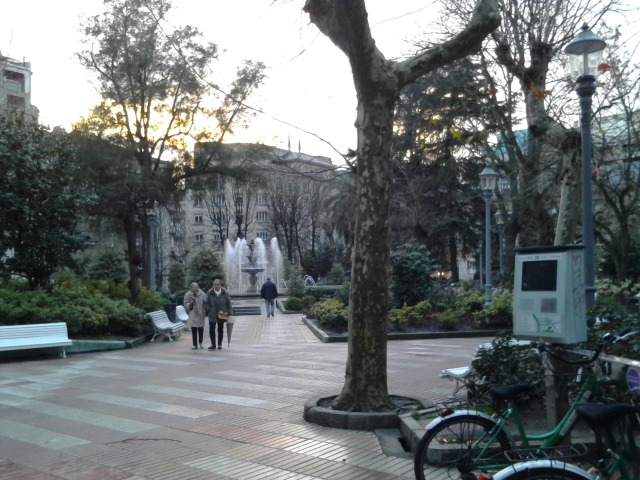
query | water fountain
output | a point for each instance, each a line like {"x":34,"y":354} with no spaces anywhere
{"x":249,"y":263}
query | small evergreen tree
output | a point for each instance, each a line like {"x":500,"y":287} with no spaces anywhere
{"x":178,"y":277}
{"x":295,"y":285}
{"x":204,"y":267}
{"x":411,"y":266}
{"x":108,"y":264}
{"x":336,"y":275}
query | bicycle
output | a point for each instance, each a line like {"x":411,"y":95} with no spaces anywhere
{"x":620,"y":462}
{"x":470,"y":439}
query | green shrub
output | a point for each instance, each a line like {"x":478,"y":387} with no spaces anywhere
{"x":108,"y":264}
{"x":307,"y":302}
{"x":499,"y":314}
{"x":411,"y":266}
{"x":293,"y":303}
{"x":423,"y":307}
{"x":178,"y":278}
{"x":204,"y":267}
{"x":507,"y":364}
{"x":322,"y":292}
{"x":336,"y":275}
{"x":330,"y":313}
{"x":469,"y":302}
{"x":81,"y":305}
{"x":449,"y":319}
{"x":343,"y":292}
{"x":295,"y":285}
{"x":402,"y":318}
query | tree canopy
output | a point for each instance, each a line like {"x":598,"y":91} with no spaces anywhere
{"x":42,"y":199}
{"x":156,"y":82}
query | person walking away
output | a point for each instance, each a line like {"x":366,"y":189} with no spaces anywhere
{"x":194,"y":303}
{"x":218,"y":307}
{"x":269,"y":292}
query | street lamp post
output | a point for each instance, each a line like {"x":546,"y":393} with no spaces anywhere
{"x":585,"y":56}
{"x":152,"y":222}
{"x":488,"y":178}
{"x":500,"y":225}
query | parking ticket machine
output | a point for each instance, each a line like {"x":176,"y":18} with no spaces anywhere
{"x":549,"y":294}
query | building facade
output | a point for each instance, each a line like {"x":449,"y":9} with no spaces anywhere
{"x":15,"y":87}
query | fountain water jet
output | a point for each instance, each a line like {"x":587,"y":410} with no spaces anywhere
{"x":248,"y":264}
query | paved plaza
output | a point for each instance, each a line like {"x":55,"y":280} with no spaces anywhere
{"x":165,"y":411}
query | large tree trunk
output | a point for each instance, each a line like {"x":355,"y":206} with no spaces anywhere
{"x":365,"y":387}
{"x":378,"y":83}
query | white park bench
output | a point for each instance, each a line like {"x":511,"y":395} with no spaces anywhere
{"x":163,"y":326}
{"x":181,"y":314}
{"x":36,"y":335}
{"x":462,"y":375}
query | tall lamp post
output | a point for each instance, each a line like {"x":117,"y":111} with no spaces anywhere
{"x":152,"y":222}
{"x":585,"y":56}
{"x":488,"y":178}
{"x":500,"y":225}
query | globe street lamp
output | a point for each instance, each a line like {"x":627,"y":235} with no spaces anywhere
{"x":488,"y":178}
{"x":585,"y":58}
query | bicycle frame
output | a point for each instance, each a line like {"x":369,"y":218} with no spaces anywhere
{"x":591,"y":388}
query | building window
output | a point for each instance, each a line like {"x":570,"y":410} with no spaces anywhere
{"x":216,"y":236}
{"x":262,"y":235}
{"x":198,"y":201}
{"x":261,"y":199}
{"x":15,"y":102}
{"x":218,"y":200}
{"x":14,"y":81}
{"x":197,"y":219}
{"x":219,"y":218}
{"x":199,"y":237}
{"x":261,"y":217}
{"x":239,"y":200}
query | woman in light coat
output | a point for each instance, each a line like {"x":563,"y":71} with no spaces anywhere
{"x":194,"y":301}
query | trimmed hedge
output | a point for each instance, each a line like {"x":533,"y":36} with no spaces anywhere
{"x":88,"y":307}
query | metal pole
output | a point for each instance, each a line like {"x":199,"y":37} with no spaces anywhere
{"x":487,"y":220}
{"x":152,"y":221}
{"x":585,"y":89}
{"x":501,"y":250}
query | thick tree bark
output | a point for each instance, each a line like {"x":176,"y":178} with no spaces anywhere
{"x":378,"y":83}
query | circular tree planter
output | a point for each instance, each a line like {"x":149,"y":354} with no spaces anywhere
{"x":319,"y":411}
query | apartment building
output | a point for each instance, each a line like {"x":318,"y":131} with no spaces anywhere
{"x":15,"y":87}
{"x":231,"y":209}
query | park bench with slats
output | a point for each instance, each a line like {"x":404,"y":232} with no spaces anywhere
{"x":163,"y":326}
{"x":36,"y":335}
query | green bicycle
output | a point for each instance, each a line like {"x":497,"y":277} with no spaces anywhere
{"x":470,"y":439}
{"x":619,"y":461}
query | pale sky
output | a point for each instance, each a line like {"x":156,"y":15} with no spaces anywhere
{"x":309,"y":83}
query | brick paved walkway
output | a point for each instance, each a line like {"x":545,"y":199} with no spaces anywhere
{"x":164,"y":411}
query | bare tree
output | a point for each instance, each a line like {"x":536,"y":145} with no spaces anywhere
{"x":153,"y":80}
{"x":616,"y":154}
{"x":378,"y":83}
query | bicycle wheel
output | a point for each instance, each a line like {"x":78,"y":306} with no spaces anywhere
{"x":627,"y":448}
{"x":543,"y":473}
{"x":458,"y":442}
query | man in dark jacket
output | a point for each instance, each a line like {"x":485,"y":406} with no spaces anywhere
{"x":269,"y":292}
{"x":217,"y":305}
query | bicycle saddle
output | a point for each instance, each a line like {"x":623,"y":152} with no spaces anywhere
{"x":599,"y":414}
{"x":508,"y":392}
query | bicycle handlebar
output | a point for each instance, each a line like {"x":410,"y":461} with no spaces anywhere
{"x":607,"y":339}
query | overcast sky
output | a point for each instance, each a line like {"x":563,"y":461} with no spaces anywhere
{"x":309,"y":84}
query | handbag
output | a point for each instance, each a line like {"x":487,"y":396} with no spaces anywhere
{"x":191,"y":305}
{"x":223,"y":316}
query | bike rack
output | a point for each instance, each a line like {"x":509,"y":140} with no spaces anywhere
{"x":560,"y":452}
